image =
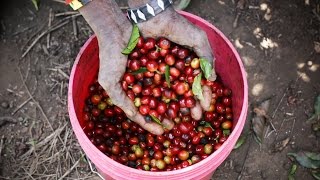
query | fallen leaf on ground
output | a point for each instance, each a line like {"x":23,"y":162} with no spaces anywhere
{"x":316,"y":114}
{"x":307,"y":159}
{"x":292,"y":172}
{"x":316,"y":174}
{"x":259,"y":120}
{"x":240,"y":142}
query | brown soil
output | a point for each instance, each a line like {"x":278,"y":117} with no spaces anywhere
{"x":274,"y":38}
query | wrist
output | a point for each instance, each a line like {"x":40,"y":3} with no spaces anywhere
{"x":136,"y":3}
{"x":104,"y":16}
{"x":141,"y":11}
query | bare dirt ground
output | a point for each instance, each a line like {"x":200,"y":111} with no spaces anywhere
{"x":275,"y":40}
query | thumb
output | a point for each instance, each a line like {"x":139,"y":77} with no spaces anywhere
{"x":203,"y":50}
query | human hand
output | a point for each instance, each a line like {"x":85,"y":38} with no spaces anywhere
{"x":173,"y":26}
{"x":113,"y":36}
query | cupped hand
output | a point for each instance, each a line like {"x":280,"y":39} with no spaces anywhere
{"x":113,"y":37}
{"x":176,"y":28}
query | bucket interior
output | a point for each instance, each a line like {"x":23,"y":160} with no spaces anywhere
{"x":228,"y":66}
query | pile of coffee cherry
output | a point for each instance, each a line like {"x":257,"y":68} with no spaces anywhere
{"x":158,"y":80}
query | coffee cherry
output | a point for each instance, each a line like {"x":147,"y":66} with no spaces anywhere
{"x":220,"y":108}
{"x":160,"y":164}
{"x":195,"y":63}
{"x":149,"y":44}
{"x":164,"y":43}
{"x":153,"y":55}
{"x":95,"y":99}
{"x":164,"y":52}
{"x":183,"y":155}
{"x":226,"y":125}
{"x":226,"y":101}
{"x":156,"y":92}
{"x":216,"y":146}
{"x":227,"y":92}
{"x":207,"y":131}
{"x":190,"y":102}
{"x":208,"y":148}
{"x":129,"y":78}
{"x":170,"y":59}
{"x":134,"y":65}
{"x":183,"y":53}
{"x":179,"y":64}
{"x":137,"y":88}
{"x":140,"y":42}
{"x":115,"y":149}
{"x":185,"y":127}
{"x":152,"y":66}
{"x":195,"y":140}
{"x":161,"y":108}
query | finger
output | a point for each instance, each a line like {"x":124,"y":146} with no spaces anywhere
{"x":121,"y":100}
{"x":152,"y":127}
{"x":205,"y":101}
{"x":196,"y":112}
{"x":203,"y":49}
{"x":168,"y":124}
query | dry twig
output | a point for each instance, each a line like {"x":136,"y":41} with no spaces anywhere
{"x":20,"y":106}
{"x":1,"y":145}
{"x":49,"y":26}
{"x":53,"y":28}
{"x":6,"y":119}
{"x":70,"y":170}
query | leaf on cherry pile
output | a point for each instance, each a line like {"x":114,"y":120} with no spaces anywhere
{"x":205,"y":67}
{"x":196,"y":87}
{"x":259,"y":120}
{"x":133,"y":40}
{"x":307,"y":159}
{"x":156,"y":120}
{"x":141,"y":70}
{"x":240,"y":142}
{"x":226,"y":132}
{"x":167,"y":75}
{"x":316,"y":114}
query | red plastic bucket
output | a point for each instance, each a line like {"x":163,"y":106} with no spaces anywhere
{"x":228,"y":66}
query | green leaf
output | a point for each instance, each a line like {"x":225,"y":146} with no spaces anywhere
{"x":133,"y":40}
{"x":205,"y":67}
{"x":316,"y":109}
{"x":182,"y":4}
{"x":240,"y":142}
{"x":36,"y":4}
{"x":226,"y":132}
{"x":196,"y":87}
{"x":316,"y":174}
{"x":141,"y":70}
{"x":167,"y":75}
{"x":293,"y":169}
{"x":156,"y":120}
{"x":306,"y":159}
{"x":206,"y":124}
{"x":313,"y":156}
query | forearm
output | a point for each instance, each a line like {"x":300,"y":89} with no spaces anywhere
{"x":104,"y":16}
